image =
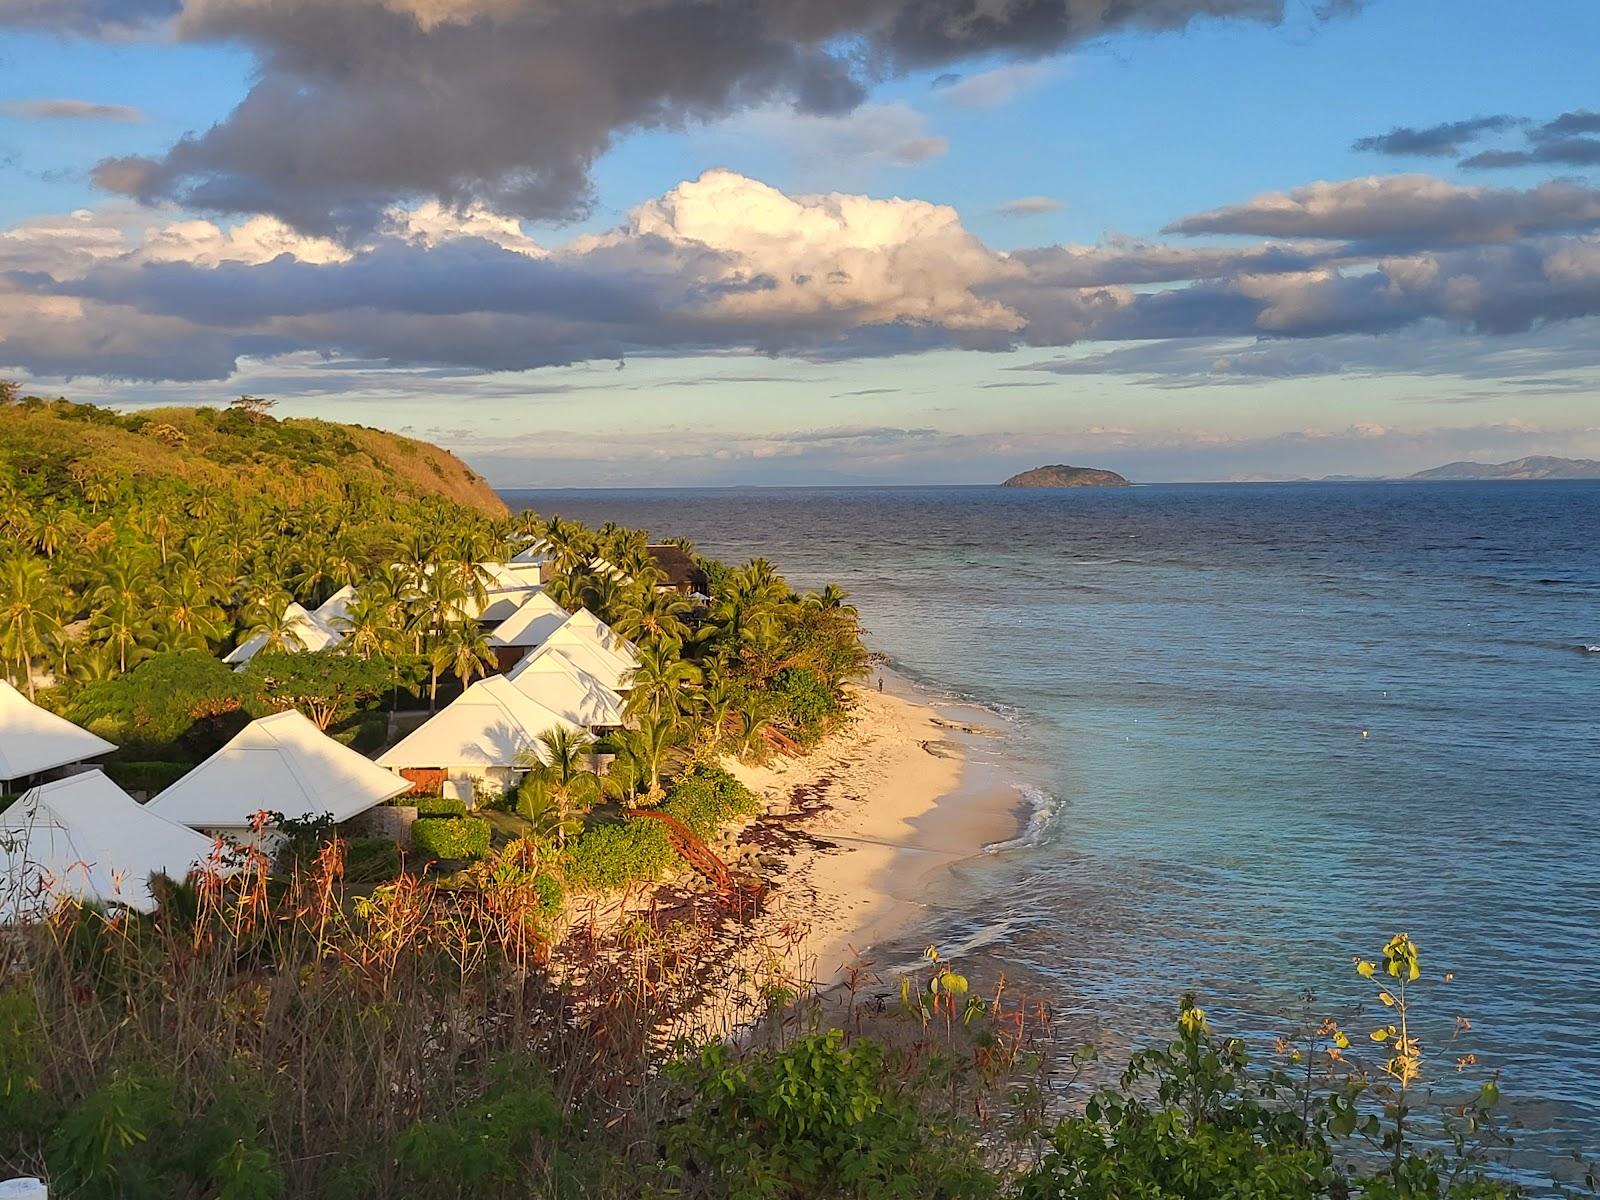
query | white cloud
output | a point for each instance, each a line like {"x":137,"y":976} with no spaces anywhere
{"x":998,"y":87}
{"x":1030,"y":206}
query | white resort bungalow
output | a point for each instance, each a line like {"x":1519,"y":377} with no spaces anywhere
{"x":556,"y":681}
{"x":34,"y":740}
{"x":483,"y":735}
{"x":284,"y":764}
{"x":304,"y":632}
{"x":334,"y":611}
{"x":583,"y":647}
{"x":85,"y":838}
{"x":609,"y":638}
{"x":537,"y":618}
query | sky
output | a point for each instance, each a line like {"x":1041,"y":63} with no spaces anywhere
{"x":678,"y":242}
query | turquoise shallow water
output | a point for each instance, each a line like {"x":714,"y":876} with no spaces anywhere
{"x":1187,"y":672}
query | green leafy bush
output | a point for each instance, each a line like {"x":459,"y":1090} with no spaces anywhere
{"x":608,"y":857}
{"x":709,"y":797}
{"x":440,"y":806}
{"x":819,"y":1118}
{"x":488,"y":1144}
{"x":452,"y":838}
{"x":804,"y":698}
{"x":187,"y":698}
{"x":371,"y":860}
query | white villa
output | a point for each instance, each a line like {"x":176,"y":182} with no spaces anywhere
{"x":85,"y":838}
{"x":484,"y":735}
{"x":284,"y":764}
{"x":34,"y":740}
{"x":579,"y":643}
{"x":528,"y":627}
{"x":559,"y":683}
{"x":305,"y":632}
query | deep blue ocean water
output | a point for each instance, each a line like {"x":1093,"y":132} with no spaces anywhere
{"x":1275,"y":723}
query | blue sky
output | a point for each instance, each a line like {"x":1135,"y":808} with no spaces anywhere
{"x":951,"y":348}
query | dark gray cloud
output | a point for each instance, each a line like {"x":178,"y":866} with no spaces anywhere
{"x":359,"y":103}
{"x":96,"y":17}
{"x":1435,"y":141}
{"x":1579,"y":120}
{"x":1557,"y":151}
{"x":1404,"y":212}
{"x":70,"y":110}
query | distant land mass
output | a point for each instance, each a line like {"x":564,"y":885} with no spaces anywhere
{"x":1062,"y":476}
{"x":1539,"y":466}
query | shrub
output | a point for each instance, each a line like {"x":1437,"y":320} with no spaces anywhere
{"x":488,"y":1144}
{"x":453,"y":838}
{"x":608,"y":857}
{"x":440,"y":806}
{"x":819,"y":1118}
{"x":371,"y":732}
{"x":187,"y":697}
{"x":804,"y":698}
{"x":707,"y":798}
{"x":371,"y":860}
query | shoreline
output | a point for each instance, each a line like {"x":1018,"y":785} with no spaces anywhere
{"x":854,"y":843}
{"x":890,"y":804}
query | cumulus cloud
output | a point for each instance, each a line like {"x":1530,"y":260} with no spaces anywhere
{"x":1404,"y":210}
{"x":726,"y":263}
{"x":70,"y":110}
{"x":358,"y":104}
{"x":1435,"y":141}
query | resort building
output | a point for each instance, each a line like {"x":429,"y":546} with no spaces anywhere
{"x":486,"y":736}
{"x":282,"y":764}
{"x":683,"y":574}
{"x":34,"y":741}
{"x":609,"y":639}
{"x":84,"y":838}
{"x":334,"y":611}
{"x":528,"y":627}
{"x":556,"y":681}
{"x":302,"y":631}
{"x":582,"y":645}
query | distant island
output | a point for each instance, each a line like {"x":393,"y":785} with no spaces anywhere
{"x":1539,"y":466}
{"x":1063,"y":476}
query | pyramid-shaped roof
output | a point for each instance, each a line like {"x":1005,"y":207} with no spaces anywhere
{"x":608,"y":637}
{"x":585,"y":649}
{"x":85,"y":837}
{"x":33,"y":739}
{"x":282,"y":763}
{"x":491,"y":724}
{"x":537,"y":618}
{"x":306,"y":632}
{"x":552,"y":677}
{"x":332,"y":611}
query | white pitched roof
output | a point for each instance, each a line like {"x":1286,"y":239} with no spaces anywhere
{"x":501,"y":603}
{"x":332,"y":611}
{"x":585,"y":649}
{"x":607,"y":636}
{"x":532,"y":554}
{"x":305,"y":632}
{"x":554,"y":679}
{"x":282,"y":763}
{"x":488,"y":725}
{"x":84,"y":836}
{"x":537,"y":618}
{"x":33,"y":739}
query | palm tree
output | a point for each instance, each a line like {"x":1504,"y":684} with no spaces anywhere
{"x":645,"y":754}
{"x":462,"y":649}
{"x":831,"y":597}
{"x":660,"y":680}
{"x":655,"y":616}
{"x":190,"y":611}
{"x":752,"y":730}
{"x":28,"y":615}
{"x":268,"y":617}
{"x":558,"y":781}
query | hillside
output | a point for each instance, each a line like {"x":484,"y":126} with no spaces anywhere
{"x":1062,"y":476}
{"x":1537,"y":466}
{"x":51,"y":446}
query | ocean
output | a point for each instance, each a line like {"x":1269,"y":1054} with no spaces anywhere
{"x":1261,"y":727}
